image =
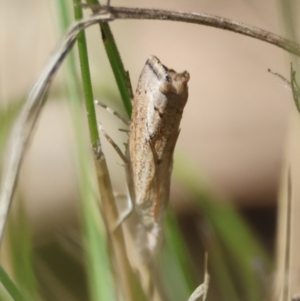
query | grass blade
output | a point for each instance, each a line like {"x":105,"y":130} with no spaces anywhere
{"x":120,"y":74}
{"x":21,"y":252}
{"x":97,"y":259}
{"x":9,"y":285}
{"x":236,"y":238}
{"x":175,"y":267}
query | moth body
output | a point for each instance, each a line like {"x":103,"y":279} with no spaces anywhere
{"x":157,"y":111}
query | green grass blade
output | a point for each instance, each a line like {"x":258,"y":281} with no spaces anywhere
{"x":244,"y":251}
{"x":97,"y":260}
{"x":4,"y":296}
{"x":175,"y":267}
{"x":120,"y":74}
{"x":86,"y":79}
{"x":236,"y":238}
{"x":218,"y":267}
{"x":10,"y":287}
{"x":117,"y":66}
{"x":98,"y":265}
{"x":21,"y":252}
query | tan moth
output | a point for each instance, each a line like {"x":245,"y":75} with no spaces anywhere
{"x":160,"y":98}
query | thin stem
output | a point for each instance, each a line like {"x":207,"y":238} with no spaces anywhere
{"x":95,"y":249}
{"x":125,"y":280}
{"x":121,"y":76}
{"x":208,"y":20}
{"x":9,"y":285}
{"x":115,"y":60}
{"x":86,"y":80}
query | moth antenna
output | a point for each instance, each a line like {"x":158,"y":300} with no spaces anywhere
{"x":113,"y":144}
{"x":125,"y":131}
{"x":110,"y":110}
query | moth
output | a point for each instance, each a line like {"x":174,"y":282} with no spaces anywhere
{"x":160,"y":98}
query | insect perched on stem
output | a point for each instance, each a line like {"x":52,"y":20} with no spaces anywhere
{"x":158,"y":105}
{"x":160,"y":98}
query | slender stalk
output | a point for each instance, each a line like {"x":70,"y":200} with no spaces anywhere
{"x":121,"y":76}
{"x":207,"y":20}
{"x":22,"y":257}
{"x":125,"y":280}
{"x":175,"y":260}
{"x":86,"y":80}
{"x":11,"y":288}
{"x":96,"y":256}
{"x":117,"y":66}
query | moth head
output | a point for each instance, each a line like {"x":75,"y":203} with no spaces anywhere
{"x":175,"y":83}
